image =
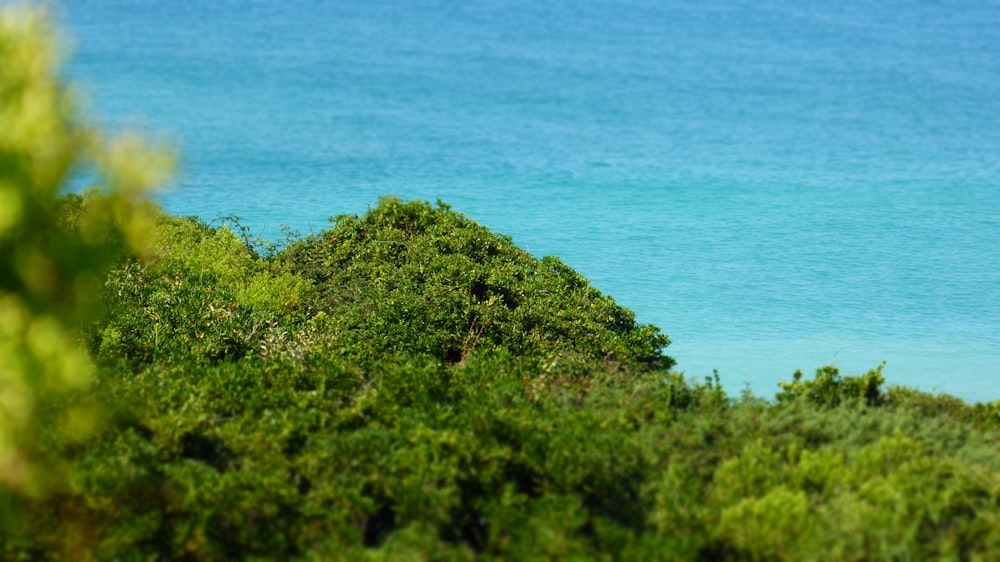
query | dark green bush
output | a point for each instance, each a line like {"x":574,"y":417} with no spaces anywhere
{"x":829,"y":388}
{"x":408,"y":277}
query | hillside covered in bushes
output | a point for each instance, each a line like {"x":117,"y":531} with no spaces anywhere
{"x":406,"y":385}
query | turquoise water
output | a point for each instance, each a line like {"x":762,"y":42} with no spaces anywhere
{"x":778,"y":184}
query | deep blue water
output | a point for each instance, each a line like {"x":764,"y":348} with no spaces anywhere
{"x":778,"y":184}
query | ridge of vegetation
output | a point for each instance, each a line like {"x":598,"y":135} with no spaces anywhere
{"x":255,"y":409}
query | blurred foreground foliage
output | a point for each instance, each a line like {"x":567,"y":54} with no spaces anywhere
{"x":50,"y":272}
{"x":409,"y":386}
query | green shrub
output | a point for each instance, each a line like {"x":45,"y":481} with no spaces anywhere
{"x":202,"y":297}
{"x":829,"y":388}
{"x":411,"y":278}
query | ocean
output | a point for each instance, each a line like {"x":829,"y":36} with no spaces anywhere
{"x":777,"y":184}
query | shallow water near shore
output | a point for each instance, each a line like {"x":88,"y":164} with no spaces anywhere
{"x":778,"y":185}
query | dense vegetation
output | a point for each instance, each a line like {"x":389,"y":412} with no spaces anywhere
{"x":407,"y":385}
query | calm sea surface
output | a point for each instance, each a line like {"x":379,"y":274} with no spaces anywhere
{"x":778,"y":184}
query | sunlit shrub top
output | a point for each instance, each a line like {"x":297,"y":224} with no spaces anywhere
{"x":414,"y":278}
